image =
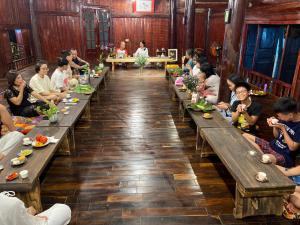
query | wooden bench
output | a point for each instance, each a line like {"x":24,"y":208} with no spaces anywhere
{"x":29,"y":189}
{"x":69,"y":121}
{"x":252,"y":197}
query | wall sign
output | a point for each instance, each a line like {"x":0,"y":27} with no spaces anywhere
{"x":143,"y":6}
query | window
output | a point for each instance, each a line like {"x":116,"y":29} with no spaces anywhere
{"x":90,"y":30}
{"x":264,"y":49}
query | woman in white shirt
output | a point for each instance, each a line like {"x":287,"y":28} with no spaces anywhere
{"x":59,"y":79}
{"x":14,"y":212}
{"x":41,"y":83}
{"x":142,"y":50}
{"x":212,"y":83}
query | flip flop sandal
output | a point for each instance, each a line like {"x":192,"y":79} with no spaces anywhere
{"x":290,"y":215}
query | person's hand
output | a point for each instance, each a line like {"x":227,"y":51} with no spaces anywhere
{"x":31,"y":210}
{"x":1,"y":156}
{"x":279,"y":126}
{"x":23,"y":85}
{"x":188,"y":66}
{"x":182,"y":59}
{"x":282,"y":169}
{"x":269,"y":121}
{"x":223,"y":105}
{"x":241,"y":108}
{"x":42,"y":217}
{"x":87,"y":64}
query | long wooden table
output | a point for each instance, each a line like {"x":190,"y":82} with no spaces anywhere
{"x":218,"y":136}
{"x":82,"y":107}
{"x":252,"y":197}
{"x":29,"y":189}
{"x":164,"y":60}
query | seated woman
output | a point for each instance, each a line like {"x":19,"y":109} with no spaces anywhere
{"x":10,"y":140}
{"x":211,"y":83}
{"x":17,"y":95}
{"x":245,"y":112}
{"x":14,"y":212}
{"x":70,"y":69}
{"x":292,"y":205}
{"x":59,"y":79}
{"x":142,"y":50}
{"x":41,"y":84}
{"x":197,"y":65}
{"x":225,"y":107}
{"x":187,"y":60}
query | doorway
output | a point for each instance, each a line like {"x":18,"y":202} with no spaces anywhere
{"x":96,"y":24}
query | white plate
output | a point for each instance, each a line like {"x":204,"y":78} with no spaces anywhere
{"x":33,"y":144}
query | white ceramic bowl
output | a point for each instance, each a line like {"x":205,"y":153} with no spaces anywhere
{"x":24,"y":174}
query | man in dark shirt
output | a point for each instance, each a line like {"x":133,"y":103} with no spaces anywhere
{"x":286,"y":130}
{"x":245,"y":112}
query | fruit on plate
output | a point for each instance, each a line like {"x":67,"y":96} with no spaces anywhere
{"x":21,"y":158}
{"x":38,"y":144}
{"x":12,"y":176}
{"x":207,"y":115}
{"x":25,"y":152}
{"x":41,"y":138}
{"x":74,"y":100}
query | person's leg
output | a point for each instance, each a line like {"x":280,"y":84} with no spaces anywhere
{"x":6,"y":118}
{"x":29,"y":111}
{"x":295,"y":200}
{"x":58,"y":214}
{"x":251,"y":138}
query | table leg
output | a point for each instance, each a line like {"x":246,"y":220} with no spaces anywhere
{"x":87,"y":112}
{"x":113,"y":67}
{"x":33,"y":197}
{"x":65,"y":148}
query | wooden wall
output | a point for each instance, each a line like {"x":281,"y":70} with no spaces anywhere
{"x":209,"y":27}
{"x":60,"y":23}
{"x":14,"y":14}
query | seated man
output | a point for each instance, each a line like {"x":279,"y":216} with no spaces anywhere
{"x":41,"y":83}
{"x":13,"y":212}
{"x":286,"y":131}
{"x":245,"y":112}
{"x":122,"y":52}
{"x":10,"y":140}
{"x":78,"y":61}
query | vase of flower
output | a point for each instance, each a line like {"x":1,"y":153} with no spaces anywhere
{"x":53,"y":118}
{"x":141,"y":62}
{"x":50,"y":111}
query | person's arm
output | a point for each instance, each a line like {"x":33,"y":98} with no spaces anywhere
{"x":74,"y":65}
{"x":295,"y":171}
{"x":293,"y":145}
{"x":250,"y":119}
{"x":40,"y":97}
{"x":6,"y":118}
{"x":83,"y":61}
{"x":146,"y":52}
{"x":236,"y":107}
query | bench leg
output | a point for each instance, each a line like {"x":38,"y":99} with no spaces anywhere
{"x":33,"y":197}
{"x":257,"y":206}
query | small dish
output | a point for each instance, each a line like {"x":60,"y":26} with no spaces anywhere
{"x":34,"y":144}
{"x":17,"y":161}
{"x":252,"y":152}
{"x":1,"y":167}
{"x":25,"y":152}
{"x":24,"y":174}
{"x":261,"y":177}
{"x":66,"y":113}
{"x":207,"y":116}
{"x":12,"y":176}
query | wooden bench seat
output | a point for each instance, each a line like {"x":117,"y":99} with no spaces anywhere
{"x":29,"y":189}
{"x":252,"y":197}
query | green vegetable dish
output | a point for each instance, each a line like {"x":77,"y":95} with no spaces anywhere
{"x":202,"y":105}
{"x":84,"y":89}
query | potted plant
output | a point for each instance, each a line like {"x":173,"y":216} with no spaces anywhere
{"x":141,"y":62}
{"x":86,"y":70}
{"x":191,"y":83}
{"x":50,"y":112}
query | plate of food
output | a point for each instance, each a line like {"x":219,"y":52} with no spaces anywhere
{"x":12,"y":176}
{"x":259,"y":93}
{"x":207,"y":116}
{"x":203,"y":106}
{"x":40,"y":141}
{"x":25,"y":152}
{"x":18,"y":161}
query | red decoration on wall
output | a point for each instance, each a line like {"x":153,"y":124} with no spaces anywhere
{"x":143,"y":6}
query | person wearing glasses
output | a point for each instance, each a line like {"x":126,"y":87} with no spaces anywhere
{"x":245,"y":112}
{"x":41,"y":84}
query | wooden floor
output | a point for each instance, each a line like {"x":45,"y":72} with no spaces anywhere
{"x":136,"y":163}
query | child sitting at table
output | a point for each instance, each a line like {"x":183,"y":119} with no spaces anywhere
{"x":286,"y":130}
{"x":245,"y":112}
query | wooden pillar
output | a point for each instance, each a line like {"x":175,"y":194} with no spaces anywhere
{"x":190,"y":23}
{"x":173,"y":10}
{"x":36,"y":38}
{"x":232,"y":44}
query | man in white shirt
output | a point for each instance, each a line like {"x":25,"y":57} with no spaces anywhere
{"x":41,"y":83}
{"x":59,"y":79}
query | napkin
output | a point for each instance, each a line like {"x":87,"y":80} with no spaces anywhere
{"x":53,"y":140}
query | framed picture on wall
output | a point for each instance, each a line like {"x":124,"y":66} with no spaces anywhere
{"x":143,"y":6}
{"x":173,"y":54}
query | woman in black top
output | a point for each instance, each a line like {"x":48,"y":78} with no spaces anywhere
{"x":17,"y":95}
